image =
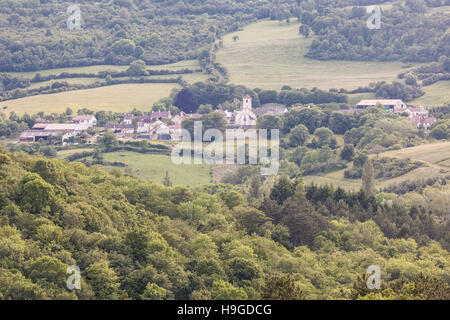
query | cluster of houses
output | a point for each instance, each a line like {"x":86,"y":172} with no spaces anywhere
{"x":420,"y":115}
{"x":156,"y":126}
{"x":64,"y":131}
{"x":165,"y":126}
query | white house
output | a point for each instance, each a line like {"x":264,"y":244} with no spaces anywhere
{"x":85,"y":119}
{"x":417,"y":111}
{"x":393,"y":104}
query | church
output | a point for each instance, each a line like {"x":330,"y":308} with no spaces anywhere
{"x":244,"y":118}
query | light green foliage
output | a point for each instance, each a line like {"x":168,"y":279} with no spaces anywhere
{"x":324,"y":135}
{"x":103,"y":281}
{"x":153,"y":292}
{"x":222,"y":290}
{"x":35,"y":193}
{"x":141,"y":240}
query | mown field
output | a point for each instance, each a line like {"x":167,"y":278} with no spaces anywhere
{"x":153,"y":167}
{"x":118,"y":98}
{"x":435,"y":156}
{"x":270,"y":54}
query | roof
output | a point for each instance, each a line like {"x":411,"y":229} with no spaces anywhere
{"x":422,"y":119}
{"x":40,"y":125}
{"x":40,"y":133}
{"x":164,"y":114}
{"x":62,"y":126}
{"x":247,"y":96}
{"x":120,"y":126}
{"x":382,"y":101}
{"x":83,"y":117}
{"x":417,"y":109}
{"x":269,"y":110}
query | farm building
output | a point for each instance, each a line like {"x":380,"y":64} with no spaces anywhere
{"x":395,"y":104}
{"x":36,"y":135}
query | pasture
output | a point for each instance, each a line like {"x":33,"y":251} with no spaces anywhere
{"x":435,"y":95}
{"x":116,"y":98}
{"x":270,"y":54}
{"x":153,"y":167}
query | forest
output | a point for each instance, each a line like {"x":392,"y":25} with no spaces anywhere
{"x":139,"y":240}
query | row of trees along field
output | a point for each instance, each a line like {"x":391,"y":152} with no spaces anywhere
{"x":138,"y":240}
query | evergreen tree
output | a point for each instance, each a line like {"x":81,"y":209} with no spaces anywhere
{"x":368,"y":178}
{"x":167,"y":182}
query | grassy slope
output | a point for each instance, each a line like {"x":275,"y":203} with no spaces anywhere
{"x":119,"y":98}
{"x":436,"y":94}
{"x":436,"y":157}
{"x":153,"y":167}
{"x":270,"y":54}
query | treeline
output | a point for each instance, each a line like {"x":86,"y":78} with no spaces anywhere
{"x":61,"y":86}
{"x":228,"y":97}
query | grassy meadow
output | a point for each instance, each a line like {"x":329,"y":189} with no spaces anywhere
{"x":436,"y":94}
{"x":118,"y":98}
{"x":153,"y":167}
{"x":270,"y":54}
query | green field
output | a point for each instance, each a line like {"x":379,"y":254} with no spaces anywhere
{"x":436,"y":94}
{"x":153,"y":167}
{"x":270,"y":54}
{"x":118,"y":98}
{"x":431,"y":154}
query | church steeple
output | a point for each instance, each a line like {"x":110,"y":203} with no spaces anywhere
{"x":247,"y":103}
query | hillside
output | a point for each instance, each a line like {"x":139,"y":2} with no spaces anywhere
{"x":133,"y":239}
{"x":270,"y":54}
{"x":435,"y":158}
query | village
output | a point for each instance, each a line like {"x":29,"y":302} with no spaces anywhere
{"x":164,"y":126}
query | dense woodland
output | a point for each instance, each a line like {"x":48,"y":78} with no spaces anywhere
{"x":408,"y":33}
{"x":138,"y":240}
